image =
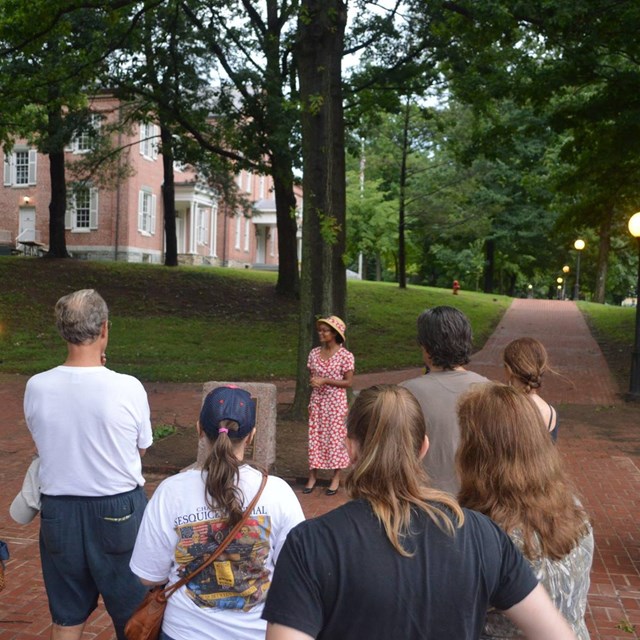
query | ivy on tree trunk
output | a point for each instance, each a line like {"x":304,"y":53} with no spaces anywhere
{"x":323,"y":285}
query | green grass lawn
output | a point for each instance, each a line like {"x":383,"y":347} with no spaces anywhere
{"x":614,"y":330}
{"x":189,"y":324}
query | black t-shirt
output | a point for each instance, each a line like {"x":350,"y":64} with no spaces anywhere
{"x":339,"y":577}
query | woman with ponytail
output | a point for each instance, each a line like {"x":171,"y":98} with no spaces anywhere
{"x":191,"y":513}
{"x":525,"y":362}
{"x":400,"y":560}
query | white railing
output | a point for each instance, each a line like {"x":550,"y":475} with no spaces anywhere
{"x":28,"y":235}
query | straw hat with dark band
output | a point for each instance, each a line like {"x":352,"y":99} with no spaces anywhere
{"x":335,"y":323}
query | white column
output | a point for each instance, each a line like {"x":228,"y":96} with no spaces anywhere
{"x":192,"y":227}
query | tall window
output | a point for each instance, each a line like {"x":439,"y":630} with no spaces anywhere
{"x":202,"y":226}
{"x":85,"y":137}
{"x":82,"y":209}
{"x":148,"y":140}
{"x":146,"y":212}
{"x":20,"y":168}
{"x":262,"y":190}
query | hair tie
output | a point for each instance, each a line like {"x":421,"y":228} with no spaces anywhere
{"x":223,"y":430}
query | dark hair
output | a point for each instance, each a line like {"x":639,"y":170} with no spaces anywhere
{"x":445,"y":334}
{"x":338,"y":338}
{"x":80,"y":315}
{"x":387,"y":424}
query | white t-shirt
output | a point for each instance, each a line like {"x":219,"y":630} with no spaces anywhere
{"x":225,"y":600}
{"x":88,"y":424}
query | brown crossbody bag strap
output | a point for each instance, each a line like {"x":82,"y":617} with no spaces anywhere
{"x":221,"y":547}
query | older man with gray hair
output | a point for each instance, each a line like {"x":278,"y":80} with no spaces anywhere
{"x":90,"y":426}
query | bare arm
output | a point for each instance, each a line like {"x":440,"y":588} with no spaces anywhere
{"x":538,"y":619}
{"x":280,"y":632}
{"x":142,"y":452}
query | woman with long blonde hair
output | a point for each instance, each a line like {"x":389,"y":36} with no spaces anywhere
{"x":400,"y":560}
{"x":511,"y":471}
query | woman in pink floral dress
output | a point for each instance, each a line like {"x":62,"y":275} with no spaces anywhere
{"x":331,"y":367}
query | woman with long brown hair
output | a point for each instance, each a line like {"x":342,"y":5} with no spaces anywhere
{"x":525,"y":362}
{"x":511,"y":471}
{"x":400,"y":560}
{"x":191,"y":513}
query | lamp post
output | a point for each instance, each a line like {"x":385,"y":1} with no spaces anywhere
{"x":559,"y":281}
{"x":578,"y":246}
{"x":565,"y":270}
{"x":634,"y":383}
{"x":530,"y":291}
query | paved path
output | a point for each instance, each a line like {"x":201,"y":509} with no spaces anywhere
{"x":603,"y":466}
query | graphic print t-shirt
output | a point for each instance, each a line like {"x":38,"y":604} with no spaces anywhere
{"x":180,"y":531}
{"x":239,"y":578}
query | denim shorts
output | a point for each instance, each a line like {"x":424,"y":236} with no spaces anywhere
{"x":85,"y":547}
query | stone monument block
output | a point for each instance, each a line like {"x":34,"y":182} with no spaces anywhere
{"x":263,"y":450}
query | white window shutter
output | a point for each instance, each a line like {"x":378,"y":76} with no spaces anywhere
{"x":93,"y":208}
{"x":7,"y":170}
{"x":69,"y":214}
{"x":155,"y":143}
{"x":143,"y":135}
{"x":154,"y":200}
{"x":140,"y":211}
{"x":33,"y":158}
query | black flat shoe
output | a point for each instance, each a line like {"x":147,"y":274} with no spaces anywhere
{"x":308,"y":489}
{"x":331,"y":492}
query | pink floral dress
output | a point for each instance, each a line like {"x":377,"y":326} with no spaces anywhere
{"x":328,"y":411}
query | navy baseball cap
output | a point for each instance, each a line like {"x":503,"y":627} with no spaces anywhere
{"x":228,"y":403}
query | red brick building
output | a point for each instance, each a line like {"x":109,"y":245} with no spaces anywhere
{"x":125,"y":221}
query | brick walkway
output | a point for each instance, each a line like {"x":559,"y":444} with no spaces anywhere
{"x":605,"y":465}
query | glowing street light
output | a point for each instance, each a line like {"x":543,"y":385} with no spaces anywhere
{"x":565,"y":270}
{"x":559,"y":281}
{"x":578,"y":245}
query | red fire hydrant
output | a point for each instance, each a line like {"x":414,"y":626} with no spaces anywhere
{"x":456,"y":286}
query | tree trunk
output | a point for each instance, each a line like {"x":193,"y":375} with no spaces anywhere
{"x":489,"y":264}
{"x":278,"y":125}
{"x":603,"y":258}
{"x":169,"y":198}
{"x":402,"y":262}
{"x":323,"y":282}
{"x":288,"y":274}
{"x":58,"y":202}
